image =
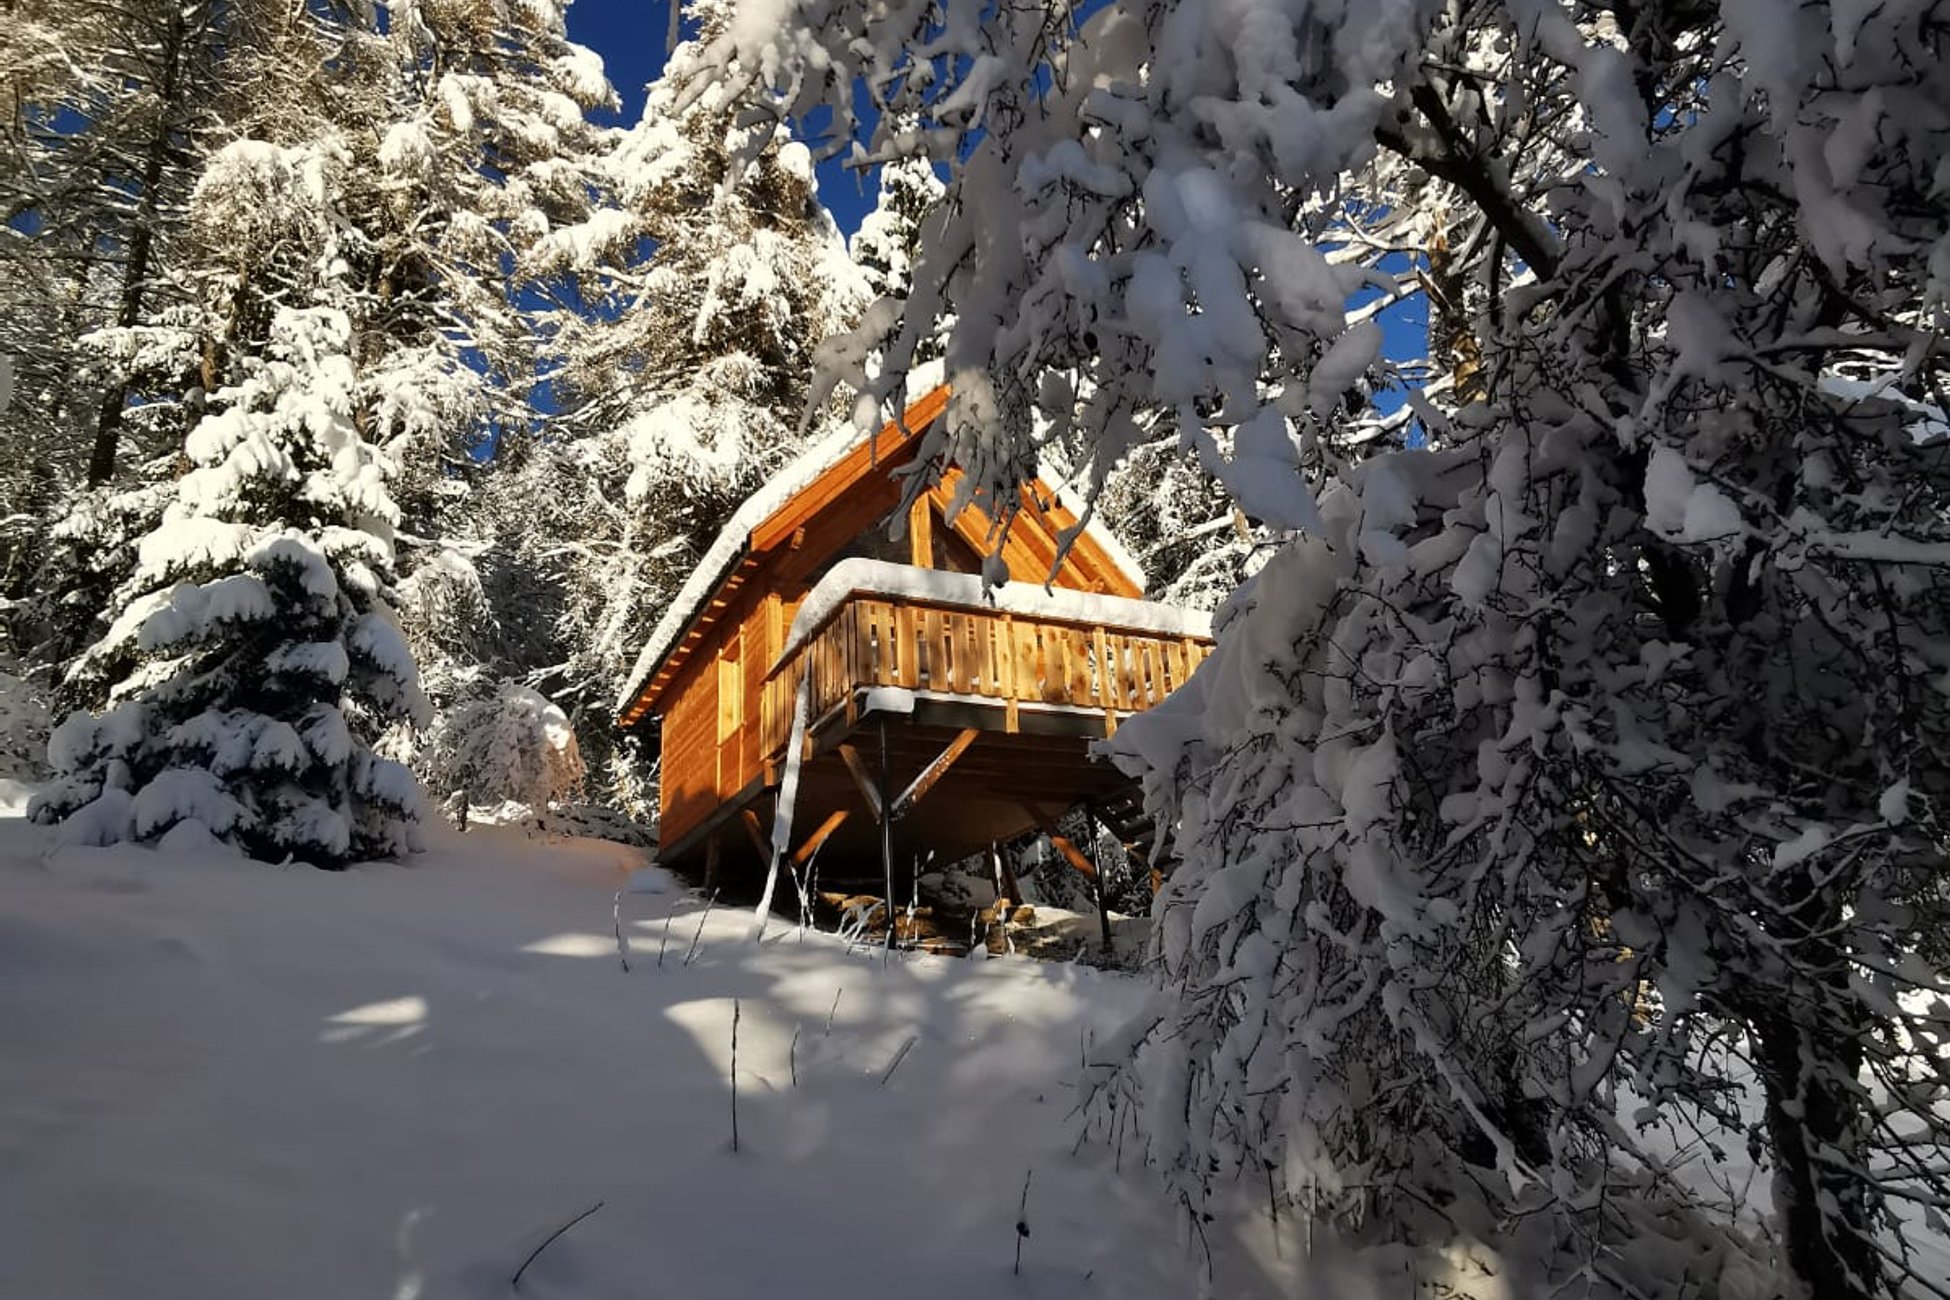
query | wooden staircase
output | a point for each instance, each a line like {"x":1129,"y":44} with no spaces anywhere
{"x":1123,"y":815}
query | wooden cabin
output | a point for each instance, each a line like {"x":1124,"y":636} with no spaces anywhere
{"x":924,"y":694}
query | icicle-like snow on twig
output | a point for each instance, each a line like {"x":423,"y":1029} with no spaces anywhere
{"x":788,"y":795}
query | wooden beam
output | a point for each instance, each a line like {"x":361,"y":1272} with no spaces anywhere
{"x":920,"y":533}
{"x":875,"y":456}
{"x":756,"y":830}
{"x":819,"y":836}
{"x":862,"y":778}
{"x":918,"y":788}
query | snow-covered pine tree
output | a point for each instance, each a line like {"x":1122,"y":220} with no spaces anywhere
{"x":488,"y":149}
{"x":1196,"y":547}
{"x":890,"y":237}
{"x":254,"y":655}
{"x":467,"y":137}
{"x":113,"y":105}
{"x":701,"y":286}
{"x":1573,"y":782}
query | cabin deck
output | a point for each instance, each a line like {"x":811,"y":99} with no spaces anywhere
{"x":979,"y":720}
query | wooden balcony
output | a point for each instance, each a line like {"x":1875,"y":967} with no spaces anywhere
{"x":990,"y":669}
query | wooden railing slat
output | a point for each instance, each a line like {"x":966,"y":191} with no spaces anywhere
{"x":1077,"y":651}
{"x":908,"y":644}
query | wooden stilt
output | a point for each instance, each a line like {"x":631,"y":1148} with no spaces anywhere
{"x":756,"y":830}
{"x":1097,"y":879}
{"x":711,"y":854}
{"x":886,"y":818}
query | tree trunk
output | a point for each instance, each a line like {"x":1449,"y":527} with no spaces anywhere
{"x":1813,"y":1121}
{"x":1809,"y":1064}
{"x":135,"y":278}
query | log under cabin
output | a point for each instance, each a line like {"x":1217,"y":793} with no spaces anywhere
{"x":924,"y":694}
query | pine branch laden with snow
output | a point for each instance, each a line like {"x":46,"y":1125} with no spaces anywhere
{"x":1579,"y":780}
{"x":256,"y":655}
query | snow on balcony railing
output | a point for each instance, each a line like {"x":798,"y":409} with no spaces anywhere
{"x":870,"y":624}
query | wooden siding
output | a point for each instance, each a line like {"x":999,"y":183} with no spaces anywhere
{"x":688,"y":786}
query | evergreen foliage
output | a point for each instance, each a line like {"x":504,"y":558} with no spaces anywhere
{"x":696,"y":295}
{"x":501,"y":742}
{"x":1577,"y":775}
{"x":256,"y":654}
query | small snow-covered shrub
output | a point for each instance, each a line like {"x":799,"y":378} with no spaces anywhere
{"x":594,"y":822}
{"x":504,"y":743}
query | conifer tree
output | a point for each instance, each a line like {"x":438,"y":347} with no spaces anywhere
{"x":113,"y":107}
{"x":358,"y":334}
{"x":255,"y":654}
{"x":1578,"y":775}
{"x":700,"y":287}
{"x":889,"y":239}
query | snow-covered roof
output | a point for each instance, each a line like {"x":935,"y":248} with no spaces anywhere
{"x":732,"y":543}
{"x":863,"y":577}
{"x":729,"y":546}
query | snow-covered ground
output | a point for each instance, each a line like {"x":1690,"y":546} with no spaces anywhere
{"x":223,"y":1079}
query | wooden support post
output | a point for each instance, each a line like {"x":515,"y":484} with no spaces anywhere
{"x":711,"y":853}
{"x":931,"y":775}
{"x":1097,"y":880}
{"x":886,"y":835}
{"x":756,"y":830}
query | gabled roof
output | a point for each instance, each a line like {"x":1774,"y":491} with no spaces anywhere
{"x":773,"y":517}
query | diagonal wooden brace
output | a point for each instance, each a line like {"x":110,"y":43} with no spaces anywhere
{"x":931,"y":775}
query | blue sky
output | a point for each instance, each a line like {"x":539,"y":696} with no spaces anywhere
{"x":629,"y":34}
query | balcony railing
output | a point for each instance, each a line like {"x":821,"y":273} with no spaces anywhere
{"x":1013,"y":660}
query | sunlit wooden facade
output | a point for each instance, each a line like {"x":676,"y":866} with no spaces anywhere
{"x":985,"y":713}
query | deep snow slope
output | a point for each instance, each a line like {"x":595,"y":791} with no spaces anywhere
{"x":223,"y":1079}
